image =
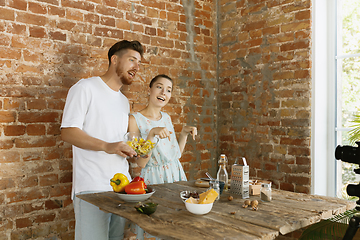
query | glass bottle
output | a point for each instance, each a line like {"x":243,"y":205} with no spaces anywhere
{"x":222,"y":174}
{"x":265,"y":192}
{"x":215,"y":185}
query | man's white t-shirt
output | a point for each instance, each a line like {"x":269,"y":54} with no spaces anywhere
{"x":103,"y":113}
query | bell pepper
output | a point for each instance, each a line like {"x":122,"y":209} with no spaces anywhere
{"x":138,"y":179}
{"x":135,"y":188}
{"x":118,"y":182}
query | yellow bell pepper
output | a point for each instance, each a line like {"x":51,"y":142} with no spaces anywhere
{"x":118,"y":182}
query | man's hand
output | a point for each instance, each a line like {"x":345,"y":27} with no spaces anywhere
{"x":120,"y":148}
{"x":80,"y":139}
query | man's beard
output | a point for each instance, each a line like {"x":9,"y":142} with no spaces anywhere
{"x":124,"y":80}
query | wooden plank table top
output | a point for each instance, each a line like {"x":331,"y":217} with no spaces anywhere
{"x":288,"y":211}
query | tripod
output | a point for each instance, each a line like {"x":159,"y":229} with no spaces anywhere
{"x":354,"y":224}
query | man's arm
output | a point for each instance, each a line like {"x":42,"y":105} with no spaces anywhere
{"x":80,"y":139}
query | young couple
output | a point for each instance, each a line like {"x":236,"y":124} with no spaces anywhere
{"x":95,"y":120}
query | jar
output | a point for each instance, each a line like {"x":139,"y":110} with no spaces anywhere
{"x":265,"y":192}
{"x":214,"y":184}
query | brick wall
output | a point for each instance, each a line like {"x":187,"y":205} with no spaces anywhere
{"x":45,"y":47}
{"x":265,"y":88}
{"x":257,"y":97}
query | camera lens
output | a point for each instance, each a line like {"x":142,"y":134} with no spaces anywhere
{"x":353,"y":190}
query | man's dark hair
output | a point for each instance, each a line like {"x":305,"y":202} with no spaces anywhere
{"x":160,"y":76}
{"x":123,"y":45}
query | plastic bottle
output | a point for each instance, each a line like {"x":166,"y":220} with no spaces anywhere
{"x":222,"y":174}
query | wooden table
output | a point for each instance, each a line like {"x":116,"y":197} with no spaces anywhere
{"x":286,"y":212}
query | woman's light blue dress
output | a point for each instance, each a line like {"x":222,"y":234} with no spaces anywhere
{"x":164,"y":165}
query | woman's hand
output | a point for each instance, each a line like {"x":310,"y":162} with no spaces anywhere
{"x":162,"y":132}
{"x":191,"y":130}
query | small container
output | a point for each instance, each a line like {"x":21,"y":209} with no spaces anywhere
{"x":222,"y":174}
{"x":216,"y":186}
{"x":265,"y":192}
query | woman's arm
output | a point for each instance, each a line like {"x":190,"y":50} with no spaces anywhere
{"x":183,"y":136}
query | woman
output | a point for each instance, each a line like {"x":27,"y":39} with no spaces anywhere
{"x":162,"y":165}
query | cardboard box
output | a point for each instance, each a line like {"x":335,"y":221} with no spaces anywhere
{"x":255,"y":186}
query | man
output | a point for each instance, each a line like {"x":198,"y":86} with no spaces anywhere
{"x":95,"y":120}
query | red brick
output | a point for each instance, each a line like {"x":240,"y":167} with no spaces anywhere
{"x":48,"y":180}
{"x":108,"y":21}
{"x":300,"y":180}
{"x":35,"y":129}
{"x":61,"y":190}
{"x":38,"y":32}
{"x":23,"y":222}
{"x":7,"y":116}
{"x":108,"y":32}
{"x":33,"y":19}
{"x":35,"y":142}
{"x":18,"y":4}
{"x":173,"y":17}
{"x":306,"y":14}
{"x":139,"y":19}
{"x":9,"y":53}
{"x":14,"y":130}
{"x":45,"y":218}
{"x":154,"y":4}
{"x":28,"y":182}
{"x":33,"y":207}
{"x":56,"y":11}
{"x":84,"y":5}
{"x":6,"y":183}
{"x":296,"y":26}
{"x":53,"y":204}
{"x":32,"y":117}
{"x":66,"y":177}
{"x":60,"y":36}
{"x":7,"y":14}
{"x":110,"y":3}
{"x":25,"y":195}
{"x":113,"y":12}
{"x":37,"y":8}
{"x":21,"y":233}
{"x":6,"y":144}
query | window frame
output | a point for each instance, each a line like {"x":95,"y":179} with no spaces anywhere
{"x":324,"y":165}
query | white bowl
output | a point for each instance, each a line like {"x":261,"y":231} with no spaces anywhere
{"x":135,"y":197}
{"x":198,"y":209}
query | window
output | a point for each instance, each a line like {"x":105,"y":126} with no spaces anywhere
{"x":347,"y":80}
{"x":336,"y":90}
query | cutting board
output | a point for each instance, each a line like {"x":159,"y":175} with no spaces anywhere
{"x":202,"y":183}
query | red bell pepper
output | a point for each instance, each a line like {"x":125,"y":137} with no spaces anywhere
{"x":135,"y":188}
{"x":138,"y":179}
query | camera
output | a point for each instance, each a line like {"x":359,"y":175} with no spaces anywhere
{"x":350,"y":154}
